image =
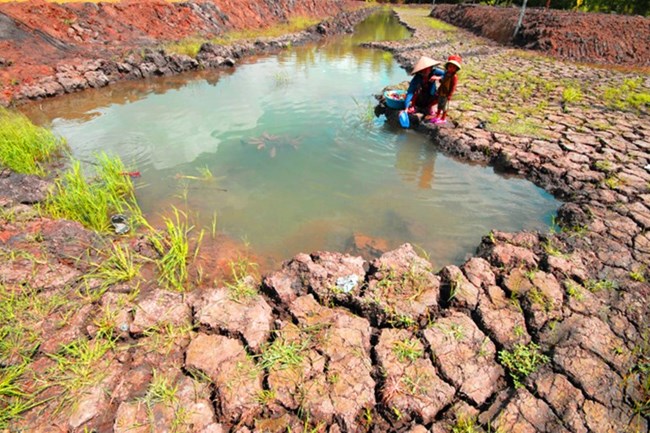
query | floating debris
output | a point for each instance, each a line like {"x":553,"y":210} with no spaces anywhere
{"x":273,"y":142}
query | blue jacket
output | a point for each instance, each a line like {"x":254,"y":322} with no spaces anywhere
{"x":416,"y":83}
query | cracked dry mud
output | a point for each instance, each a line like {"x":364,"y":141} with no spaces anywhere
{"x":407,"y":348}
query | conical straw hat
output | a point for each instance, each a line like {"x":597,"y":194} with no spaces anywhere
{"x":423,"y":63}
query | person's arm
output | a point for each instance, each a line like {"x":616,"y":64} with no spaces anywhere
{"x":413,"y":86}
{"x":454,"y":82}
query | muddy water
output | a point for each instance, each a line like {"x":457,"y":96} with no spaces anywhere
{"x":287,"y":154}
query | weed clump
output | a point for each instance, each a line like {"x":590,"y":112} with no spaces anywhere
{"x":523,"y":361}
{"x":92,"y":201}
{"x":24,"y":147}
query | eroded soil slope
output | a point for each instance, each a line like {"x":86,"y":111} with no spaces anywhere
{"x":36,"y":36}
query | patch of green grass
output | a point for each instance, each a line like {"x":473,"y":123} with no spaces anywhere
{"x":521,"y":127}
{"x":537,"y":297}
{"x":571,"y":95}
{"x":106,"y":324}
{"x":466,"y":425}
{"x":627,"y":95}
{"x":523,"y":361}
{"x":174,"y":247}
{"x":612,"y":181}
{"x":399,"y":320}
{"x":595,"y":286}
{"x":551,"y":249}
{"x":282,"y":354}
{"x":452,"y":330}
{"x":92,"y":201}
{"x":160,"y":390}
{"x":241,"y":284}
{"x":638,"y":274}
{"x":13,"y":399}
{"x":189,"y":47}
{"x":119,"y":267}
{"x":295,"y":24}
{"x":79,"y":365}
{"x":164,"y":337}
{"x":439,"y":25}
{"x":407,"y":350}
{"x":265,"y":396}
{"x":639,"y":376}
{"x":573,"y":290}
{"x":603,"y":165}
{"x":20,"y":312}
{"x":25,"y":147}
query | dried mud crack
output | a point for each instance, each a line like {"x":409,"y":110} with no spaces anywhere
{"x":538,"y":332}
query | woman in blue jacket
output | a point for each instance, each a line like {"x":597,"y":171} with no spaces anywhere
{"x":421,"y":94}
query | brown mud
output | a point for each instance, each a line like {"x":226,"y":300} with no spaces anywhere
{"x":341,"y":343}
{"x":576,"y":36}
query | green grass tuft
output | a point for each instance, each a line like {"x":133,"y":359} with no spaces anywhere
{"x":174,"y":248}
{"x":407,"y":350}
{"x":189,"y":47}
{"x":24,"y":147}
{"x":282,"y":354}
{"x":92,"y":201}
{"x":523,"y":361}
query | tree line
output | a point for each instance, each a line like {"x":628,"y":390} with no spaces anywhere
{"x":626,"y":7}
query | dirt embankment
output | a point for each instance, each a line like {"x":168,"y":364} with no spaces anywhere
{"x":37,"y":37}
{"x":582,"y":37}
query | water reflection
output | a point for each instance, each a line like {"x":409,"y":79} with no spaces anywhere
{"x":415,"y":161}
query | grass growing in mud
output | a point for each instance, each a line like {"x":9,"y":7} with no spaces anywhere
{"x":174,"y":248}
{"x":92,"y":201}
{"x":24,"y":147}
{"x":22,"y":313}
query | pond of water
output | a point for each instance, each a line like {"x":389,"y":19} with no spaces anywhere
{"x":298,"y":161}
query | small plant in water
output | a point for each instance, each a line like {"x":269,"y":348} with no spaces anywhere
{"x":282,"y":78}
{"x":523,"y":361}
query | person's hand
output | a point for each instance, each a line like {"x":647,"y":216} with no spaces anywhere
{"x":434,"y":78}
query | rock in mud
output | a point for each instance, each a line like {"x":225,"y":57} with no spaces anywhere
{"x":401,"y":290}
{"x":250,"y":317}
{"x":237,"y":379}
{"x":22,"y":188}
{"x":456,"y":289}
{"x":410,"y":381}
{"x":502,"y":318}
{"x":538,"y":293}
{"x":160,"y":307}
{"x":329,"y":276}
{"x":525,"y":413}
{"x":331,"y":377}
{"x":465,"y":356}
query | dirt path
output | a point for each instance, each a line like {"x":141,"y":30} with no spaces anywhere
{"x":540,"y":332}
